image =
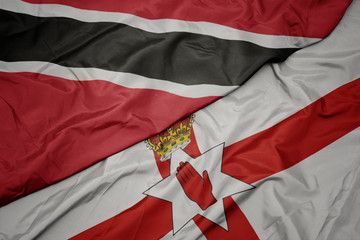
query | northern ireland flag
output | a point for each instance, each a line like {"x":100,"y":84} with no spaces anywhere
{"x":276,"y":158}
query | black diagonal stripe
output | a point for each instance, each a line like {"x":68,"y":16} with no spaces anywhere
{"x":177,"y":56}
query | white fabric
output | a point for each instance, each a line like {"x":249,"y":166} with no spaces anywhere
{"x":304,"y":201}
{"x":128,"y":80}
{"x":277,"y":91}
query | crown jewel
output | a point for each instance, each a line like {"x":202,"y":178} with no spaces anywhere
{"x":175,"y":137}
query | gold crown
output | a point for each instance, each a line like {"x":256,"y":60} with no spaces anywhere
{"x":175,"y":137}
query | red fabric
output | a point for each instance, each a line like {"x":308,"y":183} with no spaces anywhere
{"x":149,"y":219}
{"x":51,"y":128}
{"x":306,"y":18}
{"x":271,"y":151}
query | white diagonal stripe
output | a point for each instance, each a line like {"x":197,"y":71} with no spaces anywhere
{"x":129,"y":80}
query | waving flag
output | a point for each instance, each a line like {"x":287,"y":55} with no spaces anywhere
{"x":97,"y":77}
{"x":83,"y":80}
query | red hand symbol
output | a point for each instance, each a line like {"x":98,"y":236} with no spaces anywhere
{"x":198,"y":189}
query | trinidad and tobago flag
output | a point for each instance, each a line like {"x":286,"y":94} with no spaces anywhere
{"x":277,"y":158}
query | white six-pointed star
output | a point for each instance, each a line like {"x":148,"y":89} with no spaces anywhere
{"x":184,"y":209}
